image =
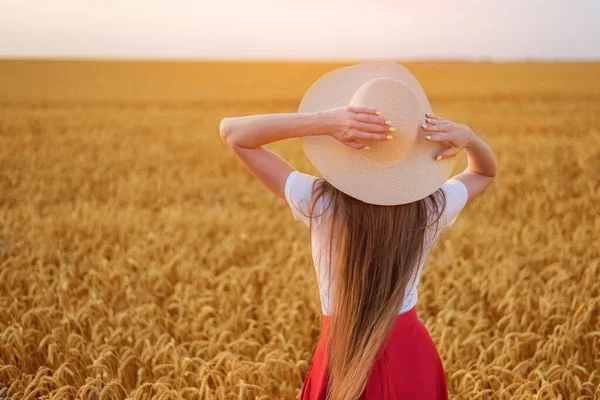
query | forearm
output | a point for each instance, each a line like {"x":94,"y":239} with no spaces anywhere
{"x":480,"y":157}
{"x":256,"y":130}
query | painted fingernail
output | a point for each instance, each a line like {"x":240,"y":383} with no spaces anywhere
{"x":439,"y":158}
{"x":423,"y":126}
{"x":367,"y":148}
{"x":388,"y":122}
{"x":428,"y":120}
{"x":389,"y":137}
{"x":377,"y":113}
{"x":392,"y":129}
{"x":427,"y":137}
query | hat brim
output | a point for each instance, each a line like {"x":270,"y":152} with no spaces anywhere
{"x":408,"y":179}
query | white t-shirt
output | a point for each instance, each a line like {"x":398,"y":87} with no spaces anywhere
{"x":298,"y":189}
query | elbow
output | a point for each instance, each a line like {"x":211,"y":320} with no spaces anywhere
{"x":225,"y":130}
{"x":233,"y":133}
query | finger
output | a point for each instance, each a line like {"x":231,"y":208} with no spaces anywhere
{"x":436,"y":128}
{"x":372,"y":136}
{"x":364,"y":127}
{"x":433,"y":121}
{"x":372,"y":119}
{"x":448,"y":152}
{"x":437,"y":137}
{"x":432,"y":115}
{"x":364,"y":110}
{"x":356,"y":144}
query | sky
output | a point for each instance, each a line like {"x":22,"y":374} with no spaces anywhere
{"x":301,"y":29}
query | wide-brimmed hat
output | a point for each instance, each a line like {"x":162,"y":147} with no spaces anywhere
{"x":397,"y":171}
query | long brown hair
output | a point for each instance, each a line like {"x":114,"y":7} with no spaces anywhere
{"x":377,"y":250}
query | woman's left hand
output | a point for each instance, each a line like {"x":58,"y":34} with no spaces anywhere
{"x":353,"y":125}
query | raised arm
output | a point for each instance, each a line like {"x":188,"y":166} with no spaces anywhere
{"x":481,"y":166}
{"x":246,"y":137}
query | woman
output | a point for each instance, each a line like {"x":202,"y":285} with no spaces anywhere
{"x":385,"y":196}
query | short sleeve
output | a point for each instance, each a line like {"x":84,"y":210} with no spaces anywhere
{"x":298,"y":192}
{"x":456,"y":198}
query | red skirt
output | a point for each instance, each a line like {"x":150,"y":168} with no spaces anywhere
{"x":409,"y":367}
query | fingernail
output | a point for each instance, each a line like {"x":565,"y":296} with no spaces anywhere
{"x":388,"y":122}
{"x":428,"y":120}
{"x":392,"y":129}
{"x":423,"y":126}
{"x":377,"y":113}
{"x":389,"y":137}
{"x":367,"y":148}
{"x":439,"y":158}
{"x":427,"y":137}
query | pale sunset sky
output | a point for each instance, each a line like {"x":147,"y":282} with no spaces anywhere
{"x":302,"y":29}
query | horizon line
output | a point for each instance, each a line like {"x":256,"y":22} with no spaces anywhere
{"x":482,"y":60}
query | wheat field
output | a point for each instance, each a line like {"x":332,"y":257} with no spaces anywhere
{"x":139,"y":259}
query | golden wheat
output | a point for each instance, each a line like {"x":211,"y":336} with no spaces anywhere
{"x":138,"y":259}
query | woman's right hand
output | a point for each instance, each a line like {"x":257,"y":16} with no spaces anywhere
{"x":353,"y":126}
{"x":442,"y":130}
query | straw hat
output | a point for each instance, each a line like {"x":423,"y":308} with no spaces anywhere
{"x":397,"y":171}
